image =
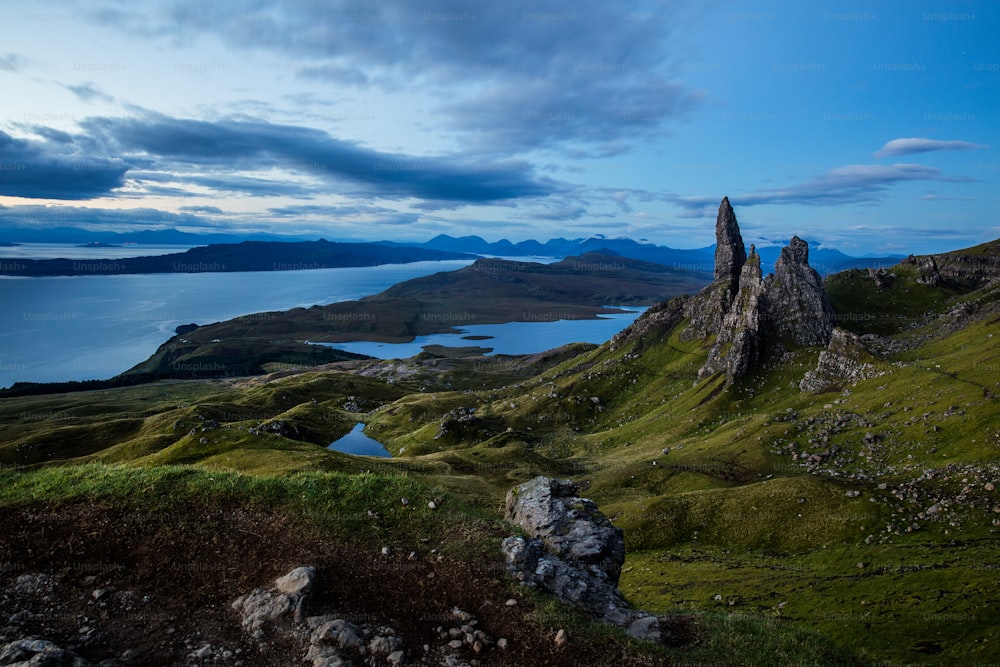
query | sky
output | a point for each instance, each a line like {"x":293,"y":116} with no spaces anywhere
{"x":871,"y":127}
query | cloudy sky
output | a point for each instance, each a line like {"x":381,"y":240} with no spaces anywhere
{"x":867,"y":126}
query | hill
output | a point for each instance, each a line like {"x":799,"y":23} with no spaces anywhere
{"x":226,"y":257}
{"x":805,"y":472}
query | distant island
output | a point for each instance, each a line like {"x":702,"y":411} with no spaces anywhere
{"x":229,"y":257}
{"x":98,"y":244}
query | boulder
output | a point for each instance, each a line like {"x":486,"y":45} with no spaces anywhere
{"x":572,"y":551}
{"x":286,"y":599}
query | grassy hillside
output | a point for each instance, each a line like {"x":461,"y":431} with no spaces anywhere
{"x":867,"y":513}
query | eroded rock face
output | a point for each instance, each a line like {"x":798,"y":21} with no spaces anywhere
{"x":706,"y":310}
{"x":572,"y":551}
{"x":741,"y":336}
{"x":841,"y":362}
{"x":798,"y":308}
{"x":730,"y":253}
{"x":653,"y":325}
{"x":958,"y":270}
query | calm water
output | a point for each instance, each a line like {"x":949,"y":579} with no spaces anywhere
{"x":356,"y":442}
{"x":63,"y":328}
{"x":58,"y":250}
{"x":94,"y":327}
{"x":510,"y":338}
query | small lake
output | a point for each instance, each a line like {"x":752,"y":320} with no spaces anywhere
{"x":509,"y":338}
{"x":359,"y":444}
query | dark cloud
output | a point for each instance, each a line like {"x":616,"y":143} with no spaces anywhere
{"x":852,"y":184}
{"x":79,"y":216}
{"x":48,"y":169}
{"x":518,"y":74}
{"x":912,"y":145}
{"x":178,"y":145}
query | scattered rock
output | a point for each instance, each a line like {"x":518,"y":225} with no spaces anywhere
{"x":38,"y":653}
{"x":562,"y":638}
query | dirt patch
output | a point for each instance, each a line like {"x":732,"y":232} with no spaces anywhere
{"x":114,"y":584}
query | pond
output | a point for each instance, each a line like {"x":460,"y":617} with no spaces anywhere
{"x":359,"y":444}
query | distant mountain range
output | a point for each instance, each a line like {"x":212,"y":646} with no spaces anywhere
{"x":695,"y":259}
{"x":825,"y":261}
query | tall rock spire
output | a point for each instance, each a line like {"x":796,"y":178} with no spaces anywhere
{"x":706,"y":310}
{"x":730,"y":254}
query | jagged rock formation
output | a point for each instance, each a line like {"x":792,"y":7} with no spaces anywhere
{"x":572,"y":551}
{"x":730,"y":253}
{"x":287,"y":598}
{"x":798,"y":309}
{"x":738,"y":344}
{"x":842,"y":361}
{"x":748,"y":315}
{"x":707,"y":309}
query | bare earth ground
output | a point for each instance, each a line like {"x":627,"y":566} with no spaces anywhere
{"x":151,"y":589}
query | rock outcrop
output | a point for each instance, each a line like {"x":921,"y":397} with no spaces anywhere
{"x":751,"y":316}
{"x":730,"y":253}
{"x":798,"y":309}
{"x":741,"y":336}
{"x":962,"y":270}
{"x":706,"y":310}
{"x":573,"y":552}
{"x":652,"y":326}
{"x":843,"y":361}
{"x":329,"y":640}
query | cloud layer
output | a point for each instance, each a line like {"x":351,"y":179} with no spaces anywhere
{"x":912,"y":145}
{"x":505,"y":81}
{"x":229,"y":155}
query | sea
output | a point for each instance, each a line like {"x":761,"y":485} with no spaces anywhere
{"x":62,"y":328}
